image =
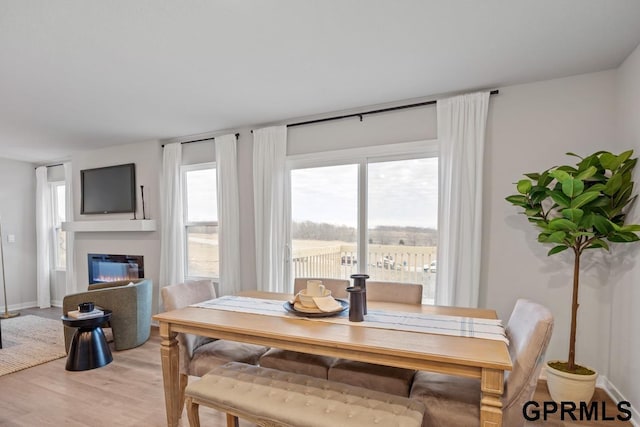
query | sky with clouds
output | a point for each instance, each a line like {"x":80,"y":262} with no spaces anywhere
{"x":402,"y":192}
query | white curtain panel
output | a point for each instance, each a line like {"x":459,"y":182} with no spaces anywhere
{"x":461,"y":133}
{"x":71,"y":285}
{"x":172,"y":253}
{"x":269,"y":154}
{"x":228,"y":214}
{"x":44,"y":234}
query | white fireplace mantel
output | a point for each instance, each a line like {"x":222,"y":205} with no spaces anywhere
{"x":111,"y":225}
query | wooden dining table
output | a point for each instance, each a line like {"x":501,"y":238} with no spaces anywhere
{"x":484,"y":359}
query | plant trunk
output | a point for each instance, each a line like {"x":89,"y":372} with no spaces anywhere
{"x":571,"y":362}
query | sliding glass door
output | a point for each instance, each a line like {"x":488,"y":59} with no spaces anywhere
{"x":366,"y":214}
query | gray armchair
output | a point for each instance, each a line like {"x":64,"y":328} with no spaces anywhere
{"x":130,"y":306}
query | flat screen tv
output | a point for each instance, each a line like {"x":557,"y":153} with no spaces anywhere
{"x":111,"y":189}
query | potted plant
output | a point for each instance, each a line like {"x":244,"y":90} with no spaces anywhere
{"x":579,"y":207}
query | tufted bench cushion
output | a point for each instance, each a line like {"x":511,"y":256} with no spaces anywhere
{"x":270,"y":397}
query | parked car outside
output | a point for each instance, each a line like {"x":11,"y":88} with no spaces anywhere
{"x":386,"y":262}
{"x":430,"y":268}
{"x":348,"y":260}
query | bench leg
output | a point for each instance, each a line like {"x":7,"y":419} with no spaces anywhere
{"x":192,"y":413}
{"x":232,"y":421}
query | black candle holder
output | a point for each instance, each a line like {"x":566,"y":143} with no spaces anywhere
{"x":360,"y":281}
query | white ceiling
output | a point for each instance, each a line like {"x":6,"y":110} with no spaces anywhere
{"x":82,"y":74}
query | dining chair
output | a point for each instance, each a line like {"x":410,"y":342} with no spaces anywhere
{"x":387,"y":379}
{"x":303,"y":363}
{"x":455,"y":401}
{"x":199,"y":355}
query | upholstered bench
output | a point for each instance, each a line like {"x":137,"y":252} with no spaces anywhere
{"x":269,"y":397}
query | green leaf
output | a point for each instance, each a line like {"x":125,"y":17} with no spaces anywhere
{"x":602,"y":224}
{"x":545,"y":179}
{"x":598,"y":243}
{"x":596,"y":187}
{"x":524,"y":186}
{"x":620,"y":237}
{"x":610,"y":161}
{"x":573,"y":215}
{"x":560,"y":198}
{"x":562,"y":224}
{"x":517,"y":200}
{"x":591,"y":160}
{"x":623,"y":157}
{"x":538,"y":194}
{"x":539,"y":222}
{"x":557,"y":237}
{"x":614,"y":184}
{"x":534,"y":176}
{"x":583,"y":199}
{"x":560,"y":175}
{"x":557,"y":249}
{"x":628,"y":165}
{"x":572,"y":187}
{"x":533,"y":212}
{"x":587,"y":173}
{"x":630,"y":227}
{"x":573,"y":154}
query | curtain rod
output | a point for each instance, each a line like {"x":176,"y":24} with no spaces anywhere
{"x":203,"y":139}
{"x":365,"y":113}
{"x":50,"y":166}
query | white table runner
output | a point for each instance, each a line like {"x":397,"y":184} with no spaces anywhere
{"x":415,"y":322}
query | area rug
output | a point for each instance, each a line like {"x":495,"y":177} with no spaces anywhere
{"x":29,"y":341}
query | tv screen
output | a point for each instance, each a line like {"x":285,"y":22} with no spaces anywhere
{"x":110,"y":189}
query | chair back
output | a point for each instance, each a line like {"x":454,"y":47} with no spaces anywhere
{"x":529,"y":330}
{"x":405,"y":293}
{"x":182,"y":295}
{"x":336,"y":286}
{"x":185,"y":294}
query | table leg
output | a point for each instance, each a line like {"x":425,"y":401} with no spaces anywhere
{"x":170,"y":359}
{"x":492,"y":388}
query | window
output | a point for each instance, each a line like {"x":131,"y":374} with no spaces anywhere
{"x":58,"y":203}
{"x":362,"y":212}
{"x":201,"y":221}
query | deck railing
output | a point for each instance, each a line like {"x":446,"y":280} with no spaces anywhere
{"x":394,"y":263}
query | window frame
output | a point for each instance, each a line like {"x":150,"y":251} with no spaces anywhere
{"x":56,"y":222}
{"x":361,"y":157}
{"x":184,"y":169}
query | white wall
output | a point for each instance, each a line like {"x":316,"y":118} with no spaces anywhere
{"x":147,"y":158}
{"x":18,"y":215}
{"x":624,"y":343}
{"x":530,"y":129}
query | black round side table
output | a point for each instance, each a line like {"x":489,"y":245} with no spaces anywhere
{"x":89,"y":348}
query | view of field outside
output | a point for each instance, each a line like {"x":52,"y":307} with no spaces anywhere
{"x":402,"y":201}
{"x":58,"y":218}
{"x":202,"y":223}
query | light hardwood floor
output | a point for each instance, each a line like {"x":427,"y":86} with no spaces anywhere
{"x":127,"y":392}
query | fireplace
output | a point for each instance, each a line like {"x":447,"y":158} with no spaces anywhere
{"x":110,"y":267}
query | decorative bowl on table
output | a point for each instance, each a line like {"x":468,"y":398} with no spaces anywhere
{"x":307,"y":300}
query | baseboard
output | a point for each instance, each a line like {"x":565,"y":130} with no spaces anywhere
{"x":603,"y":383}
{"x":615,"y":395}
{"x":16,"y":307}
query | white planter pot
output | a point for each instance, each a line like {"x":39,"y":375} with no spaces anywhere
{"x":567,"y":387}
